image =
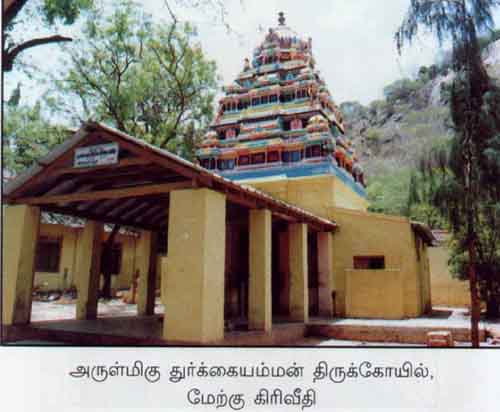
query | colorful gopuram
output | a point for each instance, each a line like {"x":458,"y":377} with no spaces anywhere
{"x":278,"y":118}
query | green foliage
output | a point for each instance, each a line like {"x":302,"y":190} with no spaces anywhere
{"x":373,"y":135}
{"x":152,"y":81}
{"x":388,"y":193}
{"x":402,"y":90}
{"x":27,"y":136}
{"x":67,"y":11}
{"x":404,"y":193}
{"x":463,"y":179}
{"x":429,"y":115}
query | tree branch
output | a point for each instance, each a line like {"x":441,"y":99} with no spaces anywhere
{"x":11,"y":9}
{"x":10,"y":55}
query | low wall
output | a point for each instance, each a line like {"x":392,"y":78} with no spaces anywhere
{"x":446,"y":290}
{"x":387,"y":334}
{"x":376,"y":294}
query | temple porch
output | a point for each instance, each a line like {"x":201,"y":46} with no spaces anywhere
{"x":157,"y":193}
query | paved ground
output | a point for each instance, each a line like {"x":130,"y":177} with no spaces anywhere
{"x":43,"y":311}
{"x":441,"y":317}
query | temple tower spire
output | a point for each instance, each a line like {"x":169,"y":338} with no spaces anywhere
{"x":278,"y":118}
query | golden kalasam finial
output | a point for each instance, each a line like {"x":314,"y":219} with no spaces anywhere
{"x":281,"y":18}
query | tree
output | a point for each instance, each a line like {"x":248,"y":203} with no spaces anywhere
{"x":48,"y":13}
{"x":151,"y":81}
{"x":474,"y":118}
{"x":27,"y":135}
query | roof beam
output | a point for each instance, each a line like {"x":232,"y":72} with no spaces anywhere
{"x":98,"y":218}
{"x":122,"y":164}
{"x":127,"y":192}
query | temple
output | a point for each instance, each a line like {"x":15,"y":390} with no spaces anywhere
{"x":270,"y":228}
{"x":278,"y":118}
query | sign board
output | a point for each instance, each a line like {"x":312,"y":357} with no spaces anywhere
{"x":100,"y":155}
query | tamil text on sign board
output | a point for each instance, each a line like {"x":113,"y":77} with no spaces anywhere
{"x":100,"y":155}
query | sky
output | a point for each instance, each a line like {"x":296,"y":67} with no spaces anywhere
{"x":353,"y":42}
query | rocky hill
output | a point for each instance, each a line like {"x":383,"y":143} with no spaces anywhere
{"x":391,"y":134}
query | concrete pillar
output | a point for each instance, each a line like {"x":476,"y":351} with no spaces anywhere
{"x":193,"y":284}
{"x":146,"y":265}
{"x":284,"y":273}
{"x":325,"y":274}
{"x":299,"y":285}
{"x":88,"y":270}
{"x":259,"y":298}
{"x":20,"y":236}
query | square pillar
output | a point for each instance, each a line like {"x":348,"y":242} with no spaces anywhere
{"x":88,"y":270}
{"x":325,"y":274}
{"x":259,"y":298}
{"x":299,"y":284}
{"x":193,"y":284}
{"x":146,"y":265}
{"x":20,"y":236}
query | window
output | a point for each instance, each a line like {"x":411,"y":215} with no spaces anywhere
{"x":369,"y":262}
{"x":264,"y":100}
{"x":301,"y":94}
{"x":230,"y":164}
{"x":273,"y":98}
{"x":287,"y":98}
{"x":296,"y":156}
{"x":313,"y":151}
{"x":286,"y":157}
{"x":258,"y":158}
{"x":48,"y":255}
{"x":296,"y":124}
{"x":255,"y":101}
{"x":208,"y":163}
{"x":115,"y":259}
{"x":221,"y":164}
{"x":273,"y":157}
{"x":244,"y":160}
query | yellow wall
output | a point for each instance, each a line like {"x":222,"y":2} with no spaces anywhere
{"x":363,"y":234}
{"x":70,"y":239}
{"x":69,"y":236}
{"x":316,"y":194}
{"x":368,"y":234}
{"x":378,"y":293}
{"x":446,"y":290}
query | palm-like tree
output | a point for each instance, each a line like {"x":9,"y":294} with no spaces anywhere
{"x":462,"y":22}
